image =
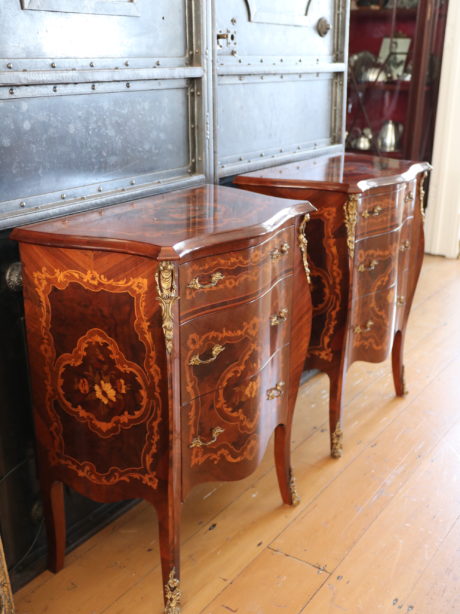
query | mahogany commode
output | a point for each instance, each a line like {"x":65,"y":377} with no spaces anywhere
{"x":159,"y":335}
{"x":365,"y":246}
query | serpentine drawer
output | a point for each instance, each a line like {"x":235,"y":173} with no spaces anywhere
{"x":380,"y":212}
{"x":228,"y":429}
{"x":375,"y":263}
{"x":214,"y":282}
{"x":236,"y":340}
{"x":372,"y":325}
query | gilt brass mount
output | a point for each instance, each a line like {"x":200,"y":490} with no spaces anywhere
{"x":293,"y":488}
{"x":167,"y":295}
{"x":172,"y":594}
{"x":351,"y":217}
{"x":337,"y":442}
{"x":422,"y":194}
{"x":303,"y":244}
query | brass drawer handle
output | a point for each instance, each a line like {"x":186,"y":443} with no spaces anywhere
{"x":409,"y":197}
{"x":277,"y":252}
{"x":276,"y":392}
{"x":368,"y":267}
{"x":195,"y":360}
{"x":401,"y":300}
{"x":358,"y":330}
{"x":404,"y":246}
{"x":198,"y":443}
{"x":375,"y":212}
{"x":195,"y":284}
{"x":279,"y":318}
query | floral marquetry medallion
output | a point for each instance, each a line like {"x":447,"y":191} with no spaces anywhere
{"x":98,"y":386}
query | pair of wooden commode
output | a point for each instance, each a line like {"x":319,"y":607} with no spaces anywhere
{"x":167,"y":335}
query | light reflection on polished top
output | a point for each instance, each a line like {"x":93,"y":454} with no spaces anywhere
{"x":172,"y":224}
{"x":350,"y":172}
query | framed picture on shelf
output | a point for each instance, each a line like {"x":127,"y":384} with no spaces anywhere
{"x":393,"y":55}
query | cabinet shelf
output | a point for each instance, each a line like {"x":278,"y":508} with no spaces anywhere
{"x":410,"y":104}
{"x":391,"y":86}
{"x":382,"y":13}
{"x":373,"y":152}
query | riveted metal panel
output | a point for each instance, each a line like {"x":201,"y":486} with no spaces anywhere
{"x":264,"y":28}
{"x":280,"y":71}
{"x":100,"y":101}
{"x":158,"y":30}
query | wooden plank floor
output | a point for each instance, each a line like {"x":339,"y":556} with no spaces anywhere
{"x":376,"y":532}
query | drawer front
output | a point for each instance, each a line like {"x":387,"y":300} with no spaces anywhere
{"x":378,"y":213}
{"x":239,"y":340}
{"x":372,"y":326}
{"x":375,"y":263}
{"x":225,"y":433}
{"x":214,"y":282}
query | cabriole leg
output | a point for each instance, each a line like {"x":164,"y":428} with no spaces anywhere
{"x":337,"y":383}
{"x":398,"y":364}
{"x":286,"y":478}
{"x":169,"y":535}
{"x":54,"y":515}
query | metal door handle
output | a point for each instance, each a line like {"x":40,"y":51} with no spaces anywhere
{"x":196,"y":360}
{"x":280,"y":251}
{"x":368,"y":267}
{"x":195,"y":284}
{"x":375,"y":212}
{"x":409,"y":197}
{"x":198,"y":443}
{"x":279,"y":318}
{"x":404,"y":246}
{"x":276,"y":392}
{"x":358,"y":330}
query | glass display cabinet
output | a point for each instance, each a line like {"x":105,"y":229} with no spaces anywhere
{"x":395,"y":54}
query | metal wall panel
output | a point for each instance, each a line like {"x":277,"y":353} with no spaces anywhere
{"x":159,"y":30}
{"x":100,"y":101}
{"x":248,"y":140}
{"x":280,"y":77}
